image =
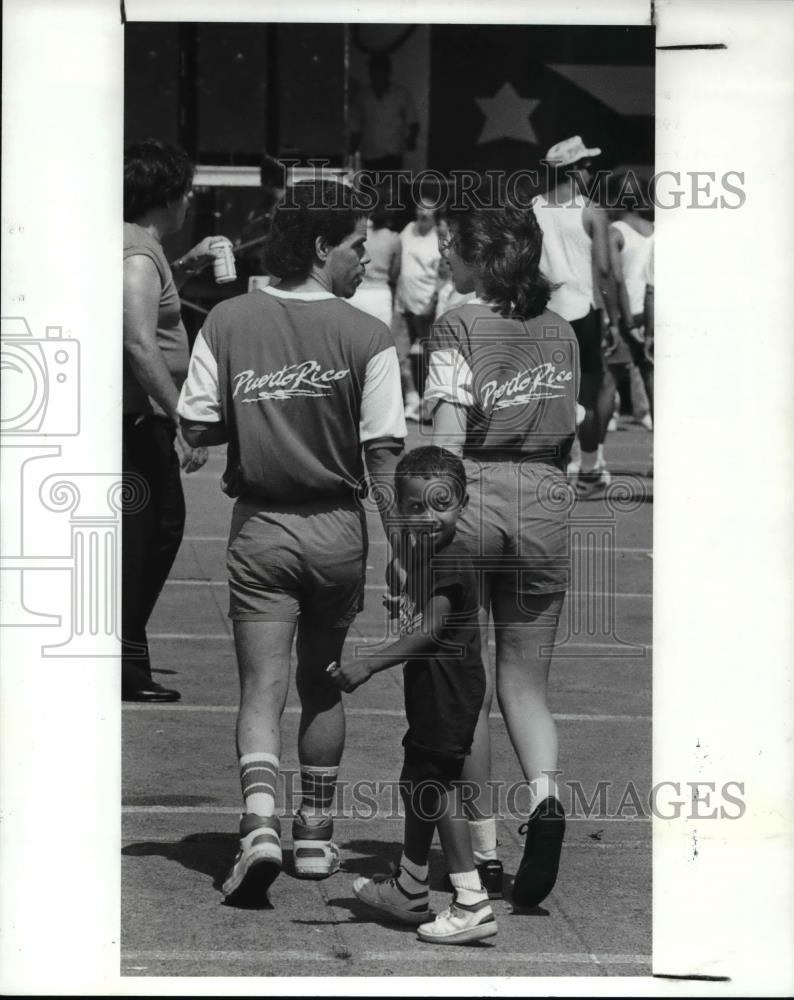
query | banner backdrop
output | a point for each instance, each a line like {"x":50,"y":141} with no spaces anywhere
{"x":501,"y":95}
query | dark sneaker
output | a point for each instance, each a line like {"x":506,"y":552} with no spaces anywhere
{"x":258,"y":861}
{"x":491,"y":874}
{"x":537,"y":872}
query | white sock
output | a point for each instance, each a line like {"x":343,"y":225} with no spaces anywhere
{"x":417,"y":874}
{"x":600,"y":455}
{"x":589,"y":460}
{"x":483,"y":839}
{"x":468,"y":887}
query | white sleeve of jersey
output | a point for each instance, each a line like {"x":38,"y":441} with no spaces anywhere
{"x":449,"y":379}
{"x":200,"y":397}
{"x":382,"y":412}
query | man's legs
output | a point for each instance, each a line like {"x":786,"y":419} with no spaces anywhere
{"x":321,"y":739}
{"x":263,"y":659}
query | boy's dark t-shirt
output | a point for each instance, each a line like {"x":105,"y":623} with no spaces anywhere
{"x":444,"y":691}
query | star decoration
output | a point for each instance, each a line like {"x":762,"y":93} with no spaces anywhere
{"x":507,"y":116}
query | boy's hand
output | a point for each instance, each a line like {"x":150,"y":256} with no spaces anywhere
{"x":351,"y":676}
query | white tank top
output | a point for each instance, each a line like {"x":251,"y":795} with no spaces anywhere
{"x":566,"y":259}
{"x":634,"y":259}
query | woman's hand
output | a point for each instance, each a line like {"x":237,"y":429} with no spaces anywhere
{"x":200,"y":256}
{"x":190,"y":459}
{"x":350,"y":676}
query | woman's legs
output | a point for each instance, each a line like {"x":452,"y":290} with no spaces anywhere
{"x":525,"y":629}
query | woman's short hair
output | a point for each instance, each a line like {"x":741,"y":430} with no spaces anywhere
{"x":503,"y":245}
{"x":154,"y":174}
{"x":310,"y":209}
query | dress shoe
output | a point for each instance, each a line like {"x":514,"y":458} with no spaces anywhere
{"x":151,"y":692}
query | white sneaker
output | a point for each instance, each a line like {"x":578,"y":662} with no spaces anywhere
{"x":384,"y":894}
{"x":258,"y":861}
{"x":460,"y":924}
{"x":647,"y":422}
{"x":613,"y":423}
{"x":314,"y":853}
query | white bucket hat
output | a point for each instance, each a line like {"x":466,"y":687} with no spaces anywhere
{"x":570,"y":151}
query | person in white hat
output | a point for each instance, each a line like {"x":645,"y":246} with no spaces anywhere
{"x":576,"y":259}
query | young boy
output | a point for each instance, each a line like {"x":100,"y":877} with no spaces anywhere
{"x":444,"y":687}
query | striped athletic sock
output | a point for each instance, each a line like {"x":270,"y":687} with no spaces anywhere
{"x":468,"y":888}
{"x":318,"y":785}
{"x":483,"y":839}
{"x":258,"y":773}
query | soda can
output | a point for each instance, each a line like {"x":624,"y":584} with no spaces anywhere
{"x":223,"y":266}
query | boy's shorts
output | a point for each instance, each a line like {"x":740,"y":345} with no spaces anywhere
{"x":302,"y":558}
{"x":515,"y":526}
{"x":442,"y":702}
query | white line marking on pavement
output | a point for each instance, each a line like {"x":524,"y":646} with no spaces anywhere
{"x":407,"y":956}
{"x":382,"y":541}
{"x":366,"y":817}
{"x":377,"y":586}
{"x":589,"y":845}
{"x":353,"y":638}
{"x":392,"y":713}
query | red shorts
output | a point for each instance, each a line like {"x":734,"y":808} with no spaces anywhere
{"x":305,"y":559}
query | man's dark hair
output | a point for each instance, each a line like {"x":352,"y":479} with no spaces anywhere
{"x":155,"y":173}
{"x":310,"y":210}
{"x":431,"y":462}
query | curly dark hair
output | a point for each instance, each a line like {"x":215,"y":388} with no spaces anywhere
{"x":155,"y":173}
{"x":503,"y":244}
{"x":309,"y":210}
{"x":431,"y":462}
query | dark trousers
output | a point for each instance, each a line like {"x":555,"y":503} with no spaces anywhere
{"x":153,"y":521}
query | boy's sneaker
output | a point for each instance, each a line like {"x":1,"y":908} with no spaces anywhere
{"x":384,"y":894}
{"x":537,"y":872}
{"x":314,"y":853}
{"x":460,"y":924}
{"x":258,"y":861}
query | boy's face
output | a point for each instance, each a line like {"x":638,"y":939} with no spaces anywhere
{"x":430,"y":508}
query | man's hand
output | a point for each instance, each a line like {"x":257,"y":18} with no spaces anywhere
{"x":351,"y":676}
{"x":190,"y":459}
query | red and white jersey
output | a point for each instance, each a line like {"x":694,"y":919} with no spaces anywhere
{"x":517,"y":380}
{"x":301,"y":381}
